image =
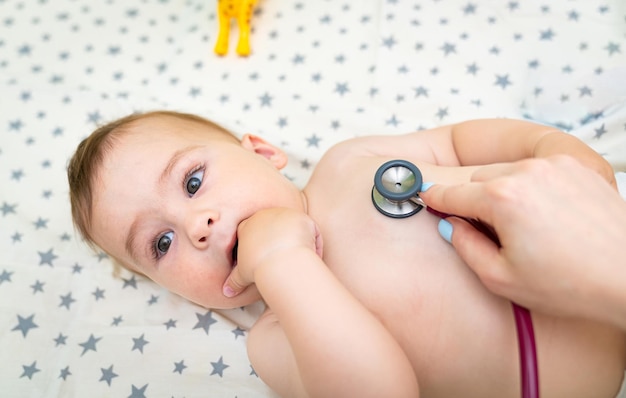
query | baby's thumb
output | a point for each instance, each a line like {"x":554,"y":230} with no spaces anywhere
{"x":479,"y":252}
{"x":234,"y":284}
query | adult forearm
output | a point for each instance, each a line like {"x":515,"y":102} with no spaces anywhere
{"x":562,"y":229}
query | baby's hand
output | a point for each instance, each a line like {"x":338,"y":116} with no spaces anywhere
{"x":266,"y":239}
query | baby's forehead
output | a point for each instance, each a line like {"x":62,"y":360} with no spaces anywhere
{"x":154,"y":124}
{"x":174,"y":127}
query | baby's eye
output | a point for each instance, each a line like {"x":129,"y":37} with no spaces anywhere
{"x":162,"y":244}
{"x":194,"y":181}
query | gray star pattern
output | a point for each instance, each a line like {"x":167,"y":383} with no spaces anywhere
{"x":5,"y":276}
{"x":47,"y":257}
{"x":25,"y":324}
{"x":138,"y":392}
{"x":139,"y":343}
{"x":179,"y":367}
{"x":205,"y":321}
{"x":219,"y":367}
{"x":65,"y":372}
{"x":7,"y":208}
{"x":108,"y":375}
{"x":66,"y":301}
{"x":30,"y":370}
{"x":90,"y":344}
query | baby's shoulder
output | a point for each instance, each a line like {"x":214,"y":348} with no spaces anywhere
{"x":353,"y":147}
{"x":416,"y":147}
{"x":344,"y":157}
{"x":354,"y":150}
{"x":338,"y":157}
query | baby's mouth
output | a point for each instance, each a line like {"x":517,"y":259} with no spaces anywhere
{"x":234,"y":253}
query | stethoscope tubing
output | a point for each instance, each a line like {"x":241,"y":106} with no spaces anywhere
{"x":394,"y":207}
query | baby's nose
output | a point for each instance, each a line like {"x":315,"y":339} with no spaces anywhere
{"x":204,"y":238}
{"x":199,"y":229}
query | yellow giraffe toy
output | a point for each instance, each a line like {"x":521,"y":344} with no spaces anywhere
{"x":242,"y":11}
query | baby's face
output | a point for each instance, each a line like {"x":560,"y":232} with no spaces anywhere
{"x":170,"y":195}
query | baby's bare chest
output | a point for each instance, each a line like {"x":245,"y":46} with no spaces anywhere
{"x":391,"y":264}
{"x":409,"y":277}
{"x":431,"y":302}
{"x":387,"y":263}
{"x":380,"y":258}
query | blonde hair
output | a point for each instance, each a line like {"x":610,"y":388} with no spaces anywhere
{"x":84,"y":165}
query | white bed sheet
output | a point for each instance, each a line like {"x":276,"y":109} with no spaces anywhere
{"x":320,"y":72}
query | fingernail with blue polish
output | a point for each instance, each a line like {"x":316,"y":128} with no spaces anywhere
{"x":445,"y":230}
{"x":425,"y":186}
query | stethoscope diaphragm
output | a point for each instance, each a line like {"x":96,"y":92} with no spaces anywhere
{"x":396,"y":187}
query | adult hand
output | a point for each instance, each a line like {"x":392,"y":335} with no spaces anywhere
{"x":562,"y":230}
{"x":266,"y":237}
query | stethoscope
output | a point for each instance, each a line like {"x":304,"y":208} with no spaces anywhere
{"x":397,"y":184}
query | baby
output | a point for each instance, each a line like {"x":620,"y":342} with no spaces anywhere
{"x":359,"y":304}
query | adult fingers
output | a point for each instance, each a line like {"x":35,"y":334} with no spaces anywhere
{"x":492,"y":171}
{"x":466,"y":200}
{"x":494,"y":190}
{"x":480,"y":253}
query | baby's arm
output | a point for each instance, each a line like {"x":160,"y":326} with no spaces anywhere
{"x":486,"y":141}
{"x":504,"y":140}
{"x":317,"y":340}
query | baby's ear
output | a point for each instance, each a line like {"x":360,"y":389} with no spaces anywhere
{"x":261,"y":147}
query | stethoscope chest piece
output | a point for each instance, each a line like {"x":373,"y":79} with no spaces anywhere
{"x":396,"y":187}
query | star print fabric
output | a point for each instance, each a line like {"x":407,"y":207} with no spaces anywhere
{"x":319,"y":73}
